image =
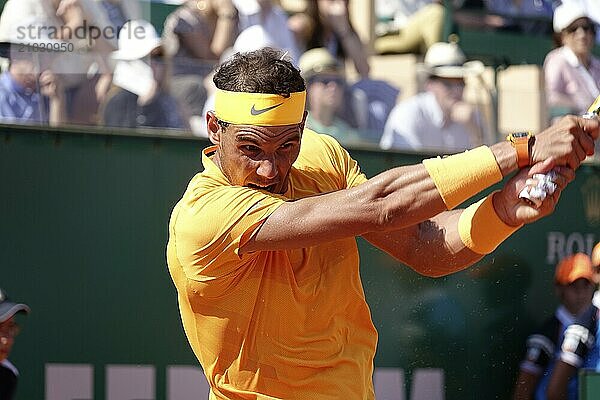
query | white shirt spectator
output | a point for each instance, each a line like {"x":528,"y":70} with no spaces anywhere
{"x":418,"y":124}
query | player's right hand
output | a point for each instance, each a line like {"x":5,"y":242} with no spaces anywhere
{"x":568,"y":142}
{"x":514,"y":211}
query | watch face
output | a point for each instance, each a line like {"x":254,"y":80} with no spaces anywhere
{"x":518,"y":135}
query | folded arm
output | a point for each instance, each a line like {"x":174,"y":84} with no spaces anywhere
{"x":405,"y":201}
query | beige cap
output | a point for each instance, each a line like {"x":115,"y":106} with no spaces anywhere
{"x":447,"y":60}
{"x":316,"y":61}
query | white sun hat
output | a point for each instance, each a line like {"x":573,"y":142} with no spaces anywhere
{"x":565,"y":15}
{"x":447,"y":60}
{"x":137,"y":39}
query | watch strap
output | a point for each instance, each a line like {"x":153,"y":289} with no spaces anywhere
{"x":522,"y":144}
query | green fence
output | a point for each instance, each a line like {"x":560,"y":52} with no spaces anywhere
{"x":83,"y":234}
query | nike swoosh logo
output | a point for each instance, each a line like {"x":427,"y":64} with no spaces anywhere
{"x":254,"y":111}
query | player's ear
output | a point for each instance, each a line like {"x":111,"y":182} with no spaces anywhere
{"x":213,"y":128}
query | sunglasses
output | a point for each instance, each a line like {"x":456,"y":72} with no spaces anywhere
{"x":587,"y":28}
{"x":326,"y":79}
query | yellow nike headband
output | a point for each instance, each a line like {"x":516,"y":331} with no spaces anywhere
{"x":241,"y":108}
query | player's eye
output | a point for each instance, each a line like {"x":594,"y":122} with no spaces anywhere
{"x":250,"y":148}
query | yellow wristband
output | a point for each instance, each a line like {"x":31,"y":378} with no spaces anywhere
{"x":461,"y":176}
{"x":480,"y":228}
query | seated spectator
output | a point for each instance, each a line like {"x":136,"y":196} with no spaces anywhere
{"x":572,"y":73}
{"x":329,"y":27}
{"x":574,"y":282}
{"x":272,"y":19}
{"x":325,"y":85}
{"x":195,"y":36}
{"x":30,"y":92}
{"x":141,"y":98}
{"x":9,"y":329}
{"x":416,"y":26}
{"x":437,"y":119}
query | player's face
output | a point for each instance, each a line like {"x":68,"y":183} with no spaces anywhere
{"x":257,"y":156}
{"x":577,"y":296}
{"x":8,"y":331}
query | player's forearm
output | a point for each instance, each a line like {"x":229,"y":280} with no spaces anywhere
{"x":432,"y":248}
{"x":505,"y":156}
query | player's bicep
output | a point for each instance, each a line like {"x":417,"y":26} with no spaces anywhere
{"x":432,"y":247}
{"x":313,"y":220}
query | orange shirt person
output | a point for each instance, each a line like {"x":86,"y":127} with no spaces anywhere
{"x":262,"y":247}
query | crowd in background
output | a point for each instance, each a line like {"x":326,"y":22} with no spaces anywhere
{"x":82,"y":62}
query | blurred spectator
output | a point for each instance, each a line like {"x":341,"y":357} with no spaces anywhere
{"x":527,"y":16}
{"x":9,"y":329}
{"x":300,"y":22}
{"x":325,"y":85}
{"x":141,"y":98}
{"x":30,"y":92}
{"x":574,"y":282}
{"x":327,"y":25}
{"x":579,"y":349}
{"x":437,"y":119}
{"x":105,"y":14}
{"x":273,"y":20}
{"x":571,"y":72}
{"x":195,"y":36}
{"x":415,"y":25}
{"x":83,"y":68}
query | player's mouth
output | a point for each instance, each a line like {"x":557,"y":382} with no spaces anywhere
{"x":268,"y":188}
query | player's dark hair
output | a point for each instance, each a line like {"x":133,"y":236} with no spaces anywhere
{"x":261,"y":71}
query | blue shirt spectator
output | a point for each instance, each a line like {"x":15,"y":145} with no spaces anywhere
{"x":19,"y":104}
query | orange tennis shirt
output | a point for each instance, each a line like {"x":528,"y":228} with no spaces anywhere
{"x":290,"y":324}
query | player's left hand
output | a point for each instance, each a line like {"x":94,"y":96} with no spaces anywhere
{"x":515,"y":211}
